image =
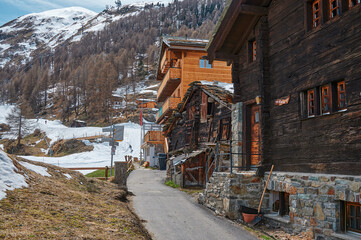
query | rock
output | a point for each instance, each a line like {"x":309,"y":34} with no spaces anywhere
{"x":318,"y":212}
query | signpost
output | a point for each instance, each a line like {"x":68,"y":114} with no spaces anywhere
{"x":117,"y":134}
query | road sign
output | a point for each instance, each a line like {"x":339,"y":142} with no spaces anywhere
{"x":114,"y":148}
{"x":119,"y":133}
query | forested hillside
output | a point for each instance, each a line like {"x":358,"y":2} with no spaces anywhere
{"x":76,"y":79}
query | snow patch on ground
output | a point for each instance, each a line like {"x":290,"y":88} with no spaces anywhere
{"x":5,"y":110}
{"x":68,"y":176}
{"x":43,"y":171}
{"x":9,"y":179}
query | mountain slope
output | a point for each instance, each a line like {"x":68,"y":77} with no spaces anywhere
{"x":116,"y":48}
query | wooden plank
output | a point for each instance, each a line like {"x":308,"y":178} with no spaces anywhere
{"x":253,"y":10}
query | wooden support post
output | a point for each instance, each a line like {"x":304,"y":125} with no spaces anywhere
{"x":106,"y":173}
{"x":120,"y":173}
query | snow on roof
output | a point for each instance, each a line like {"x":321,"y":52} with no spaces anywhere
{"x":9,"y":179}
{"x":226,"y":86}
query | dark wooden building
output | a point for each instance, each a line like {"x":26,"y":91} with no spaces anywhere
{"x":296,"y":69}
{"x":201,"y":119}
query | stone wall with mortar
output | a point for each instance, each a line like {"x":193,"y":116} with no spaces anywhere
{"x":237,"y":133}
{"x":315,"y":200}
{"x":226,"y":192}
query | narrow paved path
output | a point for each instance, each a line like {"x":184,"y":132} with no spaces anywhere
{"x":171,"y":214}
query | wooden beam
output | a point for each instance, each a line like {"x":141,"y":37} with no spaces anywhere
{"x":253,"y":10}
{"x":246,"y":34}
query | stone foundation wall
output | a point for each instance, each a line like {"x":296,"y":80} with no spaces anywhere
{"x":315,"y":200}
{"x":226,"y":192}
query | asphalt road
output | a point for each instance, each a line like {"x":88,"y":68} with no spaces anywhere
{"x":171,"y":214}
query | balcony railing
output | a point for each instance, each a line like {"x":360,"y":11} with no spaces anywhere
{"x":170,"y":104}
{"x":170,"y":82}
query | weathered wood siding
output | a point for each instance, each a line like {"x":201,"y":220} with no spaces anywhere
{"x":191,"y":132}
{"x":293,"y":60}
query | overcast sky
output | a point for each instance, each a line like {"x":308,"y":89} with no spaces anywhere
{"x":11,"y":9}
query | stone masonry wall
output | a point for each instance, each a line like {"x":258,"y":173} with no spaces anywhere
{"x":237,"y":133}
{"x":315,"y":200}
{"x":226,"y":192}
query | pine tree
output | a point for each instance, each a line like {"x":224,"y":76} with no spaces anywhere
{"x":20,"y":126}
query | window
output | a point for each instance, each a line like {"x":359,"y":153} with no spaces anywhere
{"x":334,"y":8}
{"x":311,"y":103}
{"x":203,"y":63}
{"x":208,"y":65}
{"x":341,"y":95}
{"x":325,"y":99}
{"x":353,"y":3}
{"x":353,"y":217}
{"x":316,"y":13}
{"x":280,"y":203}
{"x":254,"y":51}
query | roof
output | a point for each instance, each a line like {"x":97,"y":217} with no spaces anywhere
{"x":219,"y":91}
{"x":232,"y":30}
{"x":185,"y":157}
{"x":180,"y":43}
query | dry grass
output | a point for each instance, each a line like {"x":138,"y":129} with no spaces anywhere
{"x":60,"y":208}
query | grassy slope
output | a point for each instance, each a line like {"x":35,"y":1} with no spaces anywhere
{"x":61,"y":208}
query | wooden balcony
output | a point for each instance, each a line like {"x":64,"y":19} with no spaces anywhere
{"x":153,"y":137}
{"x":168,"y":106}
{"x":170,"y":82}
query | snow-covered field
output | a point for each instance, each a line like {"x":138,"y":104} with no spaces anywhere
{"x":9,"y":179}
{"x":99,"y":157}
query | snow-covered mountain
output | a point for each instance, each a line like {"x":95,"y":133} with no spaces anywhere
{"x":46,"y":30}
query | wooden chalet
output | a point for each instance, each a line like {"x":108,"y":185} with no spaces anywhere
{"x":202,"y":118}
{"x":153,"y":143}
{"x":182,"y":61}
{"x":296,"y":69}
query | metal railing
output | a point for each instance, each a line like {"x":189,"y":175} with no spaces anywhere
{"x":243,"y":157}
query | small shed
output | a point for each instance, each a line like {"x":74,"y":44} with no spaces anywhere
{"x":77,"y":123}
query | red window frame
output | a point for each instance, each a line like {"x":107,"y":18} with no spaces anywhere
{"x":254,"y":51}
{"x":341,"y":95}
{"x":353,"y":3}
{"x":326,"y":99}
{"x":356,"y":218}
{"x":316,"y":13}
{"x":334,"y":8}
{"x":311,"y":100}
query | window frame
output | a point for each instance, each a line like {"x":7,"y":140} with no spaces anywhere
{"x":339,"y":92}
{"x":309,"y":104}
{"x":331,"y":9}
{"x":322,"y":99}
{"x":319,"y":11}
{"x":252,"y":50}
{"x":348,"y":217}
{"x":350,"y":3}
{"x":202,"y":63}
{"x":317,"y":102}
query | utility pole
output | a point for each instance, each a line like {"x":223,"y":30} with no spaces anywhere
{"x":113,"y":146}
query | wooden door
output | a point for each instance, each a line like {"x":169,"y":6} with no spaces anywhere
{"x":255,"y":135}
